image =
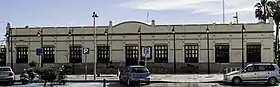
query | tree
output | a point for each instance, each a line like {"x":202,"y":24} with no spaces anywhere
{"x":261,"y":10}
{"x":267,"y":9}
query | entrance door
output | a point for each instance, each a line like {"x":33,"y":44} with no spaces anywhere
{"x":3,"y":57}
{"x":131,"y":55}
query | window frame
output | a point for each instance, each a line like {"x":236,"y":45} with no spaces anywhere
{"x":103,"y":54}
{"x":75,"y":54}
{"x":161,"y":53}
{"x":192,"y":54}
{"x":222,"y":53}
{"x":251,"y":56}
{"x":22,"y":54}
{"x":48,"y":54}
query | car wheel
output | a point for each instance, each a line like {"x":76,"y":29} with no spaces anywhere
{"x":272,"y":81}
{"x":236,"y":81}
{"x":63,"y":82}
{"x":121,"y":82}
{"x":12,"y":83}
{"x":128,"y":83}
{"x":23,"y":82}
{"x":148,"y":82}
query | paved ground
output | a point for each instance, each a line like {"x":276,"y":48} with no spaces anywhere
{"x":151,"y":85}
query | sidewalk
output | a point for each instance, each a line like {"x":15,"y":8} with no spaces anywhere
{"x":154,"y":77}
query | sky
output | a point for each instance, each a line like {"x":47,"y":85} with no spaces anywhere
{"x":21,"y":13}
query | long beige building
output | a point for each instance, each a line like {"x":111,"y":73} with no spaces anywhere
{"x":225,"y":45}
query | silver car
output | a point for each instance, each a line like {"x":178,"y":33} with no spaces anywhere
{"x":268,"y":73}
{"x":7,"y":75}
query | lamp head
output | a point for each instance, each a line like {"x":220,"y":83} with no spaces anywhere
{"x":70,"y":33}
{"x":106,"y":33}
{"x":173,"y":29}
{"x":207,"y":29}
{"x":38,"y":34}
{"x":243,"y":28}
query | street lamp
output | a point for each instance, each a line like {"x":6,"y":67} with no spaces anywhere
{"x":242,"y":54}
{"x":95,"y":47}
{"x":39,"y":34}
{"x":174,"y":50}
{"x":9,"y":38}
{"x":208,"y":61}
{"x":107,"y":46}
{"x":140,"y":45}
{"x":70,"y":33}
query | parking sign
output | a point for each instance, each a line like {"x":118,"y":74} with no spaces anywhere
{"x":146,"y":51}
{"x":39,"y":51}
{"x":86,"y":50}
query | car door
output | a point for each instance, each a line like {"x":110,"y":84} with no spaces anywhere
{"x":249,"y":73}
{"x":262,"y":73}
{"x":122,"y":74}
{"x":265,"y":71}
{"x":126,"y":74}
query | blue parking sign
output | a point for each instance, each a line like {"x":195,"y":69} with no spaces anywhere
{"x":146,"y":51}
{"x":39,"y":51}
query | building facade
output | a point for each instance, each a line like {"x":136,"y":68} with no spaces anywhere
{"x":119,"y":45}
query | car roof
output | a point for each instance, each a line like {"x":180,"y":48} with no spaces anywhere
{"x":5,"y":67}
{"x":135,"y":66}
{"x":262,"y":64}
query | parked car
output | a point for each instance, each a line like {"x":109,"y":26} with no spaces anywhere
{"x":131,"y":74}
{"x":7,"y":75}
{"x":261,"y":72}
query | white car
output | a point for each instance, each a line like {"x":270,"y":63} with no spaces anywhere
{"x":7,"y":75}
{"x":267,"y":73}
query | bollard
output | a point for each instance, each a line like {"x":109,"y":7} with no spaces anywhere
{"x":104,"y":82}
{"x":139,"y":83}
{"x":118,"y":73}
{"x":99,"y":74}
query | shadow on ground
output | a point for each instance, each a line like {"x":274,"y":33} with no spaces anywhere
{"x":116,"y":84}
{"x":249,"y":85}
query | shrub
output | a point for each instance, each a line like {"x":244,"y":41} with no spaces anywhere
{"x":32,"y":64}
{"x":48,"y":75}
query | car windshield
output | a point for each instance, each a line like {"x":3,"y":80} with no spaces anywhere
{"x":5,"y":69}
{"x":139,"y":70}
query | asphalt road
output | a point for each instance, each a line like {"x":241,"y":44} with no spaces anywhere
{"x":151,"y":85}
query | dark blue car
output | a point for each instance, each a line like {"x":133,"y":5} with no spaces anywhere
{"x":134,"y":73}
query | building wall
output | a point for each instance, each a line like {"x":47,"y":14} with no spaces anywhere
{"x":126,"y":33}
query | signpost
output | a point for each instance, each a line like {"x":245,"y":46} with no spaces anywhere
{"x":146,"y":52}
{"x":39,"y":52}
{"x":86,"y":52}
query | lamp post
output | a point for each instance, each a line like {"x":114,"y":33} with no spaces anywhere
{"x":10,"y":41}
{"x":70,"y":33}
{"x":39,"y":34}
{"x":95,"y":49}
{"x":242,"y":53}
{"x":140,"y":45}
{"x":174,"y":50}
{"x":107,"y":46}
{"x":208,"y":61}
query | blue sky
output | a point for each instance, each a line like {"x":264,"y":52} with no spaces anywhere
{"x":79,"y":12}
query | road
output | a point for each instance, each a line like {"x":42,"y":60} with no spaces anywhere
{"x":151,"y":85}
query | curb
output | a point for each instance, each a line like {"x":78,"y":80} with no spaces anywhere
{"x":213,"y":82}
{"x":114,"y":81}
{"x":85,"y":81}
